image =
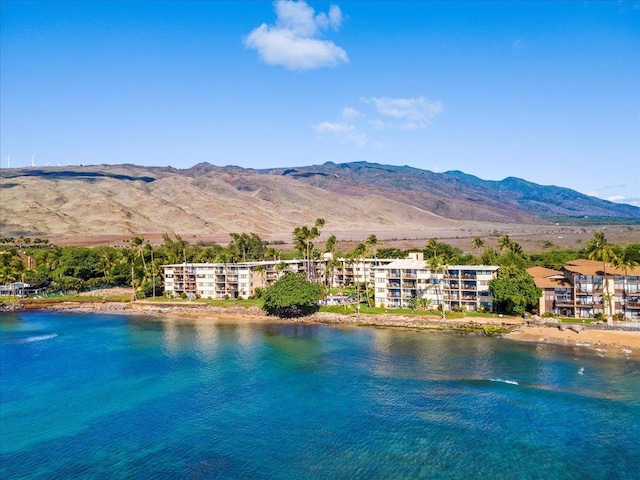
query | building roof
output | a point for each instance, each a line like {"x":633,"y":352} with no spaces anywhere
{"x":405,"y":263}
{"x":409,"y":263}
{"x":548,"y":282}
{"x":582,"y":266}
{"x":543,"y":272}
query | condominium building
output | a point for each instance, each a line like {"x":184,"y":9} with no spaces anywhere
{"x":396,"y":282}
{"x":586,"y":288}
{"x":350,"y":271}
{"x":230,"y":280}
{"x":399,"y":283}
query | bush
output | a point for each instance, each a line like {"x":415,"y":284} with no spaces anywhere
{"x":548,"y":314}
{"x":292,"y":296}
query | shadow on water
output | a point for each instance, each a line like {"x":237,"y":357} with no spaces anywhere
{"x":294,"y":345}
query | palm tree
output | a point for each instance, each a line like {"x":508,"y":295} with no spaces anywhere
{"x":436,"y":263}
{"x":330,"y":245}
{"x":477,"y":243}
{"x":261,"y":269}
{"x":371,"y":243}
{"x":504,"y":243}
{"x":516,"y":248}
{"x":433,"y":245}
{"x":272,"y":253}
{"x":625,"y":262}
{"x":599,"y":249}
{"x":303,"y":240}
{"x":331,"y":267}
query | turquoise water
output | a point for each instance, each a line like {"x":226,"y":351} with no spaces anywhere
{"x":107,"y":396}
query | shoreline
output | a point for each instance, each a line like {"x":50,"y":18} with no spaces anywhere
{"x":600,"y":341}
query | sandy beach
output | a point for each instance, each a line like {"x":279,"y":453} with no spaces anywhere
{"x":611,"y":342}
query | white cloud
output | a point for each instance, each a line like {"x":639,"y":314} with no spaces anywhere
{"x":328,"y":127}
{"x":377,"y":124}
{"x":616,"y":198}
{"x":416,"y":112}
{"x":350,"y":113}
{"x":344,"y":132}
{"x":623,"y":199}
{"x":293,"y":41}
{"x":400,"y":113}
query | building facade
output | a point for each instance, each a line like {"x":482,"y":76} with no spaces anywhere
{"x":230,"y":280}
{"x":587,"y":288}
{"x":400,"y":283}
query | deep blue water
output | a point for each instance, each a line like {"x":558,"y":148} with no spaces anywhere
{"x":107,"y":396}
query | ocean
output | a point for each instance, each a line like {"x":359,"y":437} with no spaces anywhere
{"x":112,"y":396}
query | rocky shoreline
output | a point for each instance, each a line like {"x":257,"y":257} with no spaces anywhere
{"x":601,"y":339}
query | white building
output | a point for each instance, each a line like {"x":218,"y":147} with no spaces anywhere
{"x":229,"y":280}
{"x":464,"y":287}
{"x":396,"y":282}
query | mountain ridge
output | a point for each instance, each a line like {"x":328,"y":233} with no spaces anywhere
{"x":205,"y":198}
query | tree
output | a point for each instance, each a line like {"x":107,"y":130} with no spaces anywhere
{"x":371,"y":242}
{"x":303,"y":241}
{"x":477,"y":243}
{"x":599,"y":249}
{"x":514,"y":291}
{"x":330,"y":245}
{"x":292,"y":296}
{"x":438,"y":263}
{"x":504,"y":243}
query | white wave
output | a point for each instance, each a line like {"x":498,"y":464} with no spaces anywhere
{"x":39,"y":338}
{"x":510,"y":382}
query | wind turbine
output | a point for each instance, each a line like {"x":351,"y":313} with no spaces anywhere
{"x":33,"y":162}
{"x":9,"y":161}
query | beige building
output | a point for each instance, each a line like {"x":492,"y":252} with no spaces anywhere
{"x":584,"y":289}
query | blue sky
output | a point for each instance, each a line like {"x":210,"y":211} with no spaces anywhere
{"x":548,"y":92}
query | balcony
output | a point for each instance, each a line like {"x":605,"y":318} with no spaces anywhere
{"x":566,"y":303}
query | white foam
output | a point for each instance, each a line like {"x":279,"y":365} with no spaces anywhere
{"x":510,"y":382}
{"x":39,"y":338}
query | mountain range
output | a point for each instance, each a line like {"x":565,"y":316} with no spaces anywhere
{"x":130,"y":199}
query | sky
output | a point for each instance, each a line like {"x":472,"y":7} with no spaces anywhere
{"x":544,"y":91}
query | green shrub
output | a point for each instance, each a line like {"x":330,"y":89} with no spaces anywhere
{"x":292,"y":296}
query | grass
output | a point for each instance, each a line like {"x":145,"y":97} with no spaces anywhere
{"x":350,"y":309}
{"x":76,"y":298}
{"x":205,"y":301}
{"x":577,"y":320}
{"x":365,"y":309}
